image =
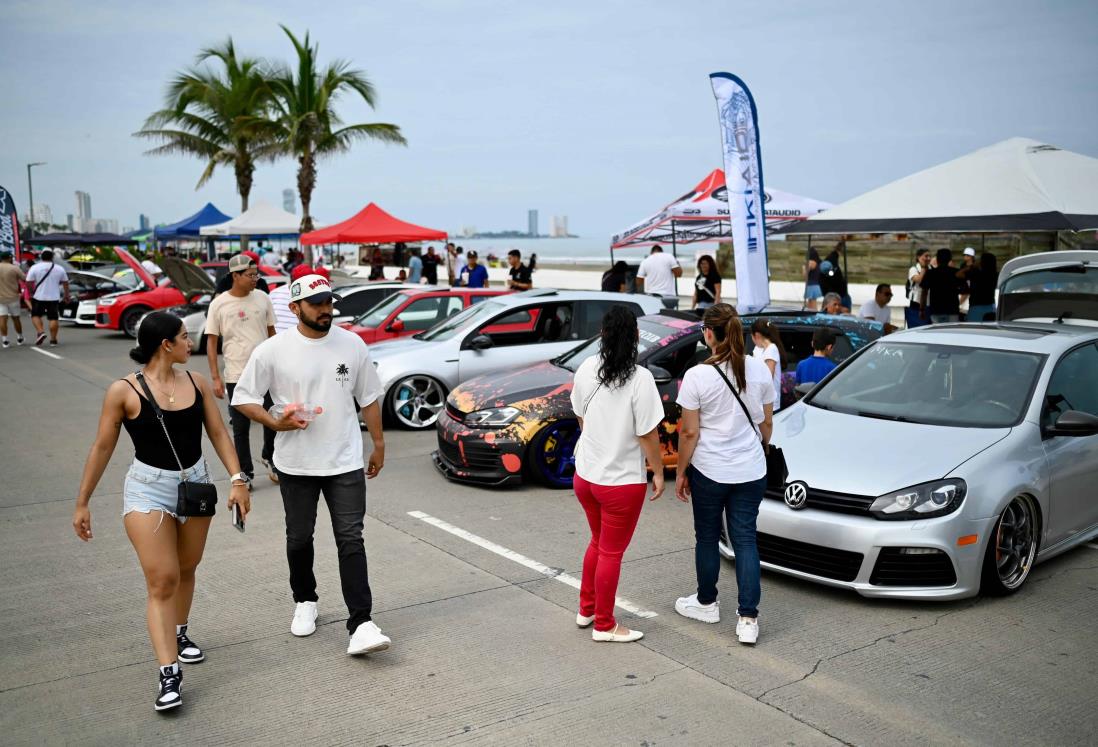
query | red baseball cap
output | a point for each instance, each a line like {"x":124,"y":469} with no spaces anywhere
{"x":251,"y":255}
{"x":323,"y":272}
{"x":301,"y":271}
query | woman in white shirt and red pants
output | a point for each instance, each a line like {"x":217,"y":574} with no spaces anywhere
{"x":619,"y":409}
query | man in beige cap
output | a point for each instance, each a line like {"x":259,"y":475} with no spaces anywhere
{"x":240,"y":319}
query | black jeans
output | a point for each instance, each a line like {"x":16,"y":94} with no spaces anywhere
{"x":345,"y":495}
{"x":242,"y":431}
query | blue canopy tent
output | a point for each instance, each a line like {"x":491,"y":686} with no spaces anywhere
{"x":189,"y":226}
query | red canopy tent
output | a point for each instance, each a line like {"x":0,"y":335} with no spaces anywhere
{"x":372,"y":225}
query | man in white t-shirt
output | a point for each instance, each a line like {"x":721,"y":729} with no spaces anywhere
{"x":152,"y":267}
{"x":323,"y":371}
{"x":240,"y":319}
{"x":657,"y":274}
{"x":877,"y":307}
{"x":49,"y":284}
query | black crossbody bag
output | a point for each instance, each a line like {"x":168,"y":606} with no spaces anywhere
{"x":776,"y":471}
{"x":195,"y":498}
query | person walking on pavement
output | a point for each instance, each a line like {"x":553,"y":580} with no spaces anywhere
{"x":415,"y":269}
{"x":519,"y":278}
{"x":319,"y":451}
{"x":430,"y":266}
{"x":619,"y":411}
{"x":707,"y":283}
{"x":656,"y":276}
{"x":943,"y":289}
{"x":240,"y":319}
{"x":168,"y":546}
{"x":473,"y":274}
{"x":49,"y":285}
{"x":280,"y":297}
{"x":10,"y":278}
{"x":727,"y":410}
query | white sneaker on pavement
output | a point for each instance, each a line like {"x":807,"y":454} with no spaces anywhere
{"x":304,"y":622}
{"x":690,"y":607}
{"x":366,"y":639}
{"x":583,"y":621}
{"x":747,"y":630}
{"x":613,"y":635}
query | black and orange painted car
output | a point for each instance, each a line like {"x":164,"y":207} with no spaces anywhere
{"x":502,"y":428}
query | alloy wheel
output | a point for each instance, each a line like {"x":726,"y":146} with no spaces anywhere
{"x":1016,"y":542}
{"x":554,"y":453}
{"x":417,"y":401}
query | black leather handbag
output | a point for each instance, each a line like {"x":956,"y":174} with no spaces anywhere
{"x":776,"y":470}
{"x":195,"y":498}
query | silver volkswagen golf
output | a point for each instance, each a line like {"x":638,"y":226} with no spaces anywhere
{"x":940,"y":462}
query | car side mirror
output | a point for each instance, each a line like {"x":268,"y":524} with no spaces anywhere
{"x":480,"y":342}
{"x":1074,"y":423}
{"x":396,"y":326}
{"x":661,"y":375}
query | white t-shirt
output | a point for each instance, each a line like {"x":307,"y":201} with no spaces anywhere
{"x":771,"y":354}
{"x":917,"y":294}
{"x":331,"y":372}
{"x":50,"y":288}
{"x":151,"y":267}
{"x":870,"y":310}
{"x":608,"y":452}
{"x":280,"y":299}
{"x":729,"y":449}
{"x":460,"y":263}
{"x":657,"y":271}
{"x":241,"y":322}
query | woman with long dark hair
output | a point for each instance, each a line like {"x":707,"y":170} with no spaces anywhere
{"x":707,"y":283}
{"x":613,"y":280}
{"x":619,"y":410}
{"x":727,"y":410}
{"x":169,"y":547}
{"x":769,"y":350}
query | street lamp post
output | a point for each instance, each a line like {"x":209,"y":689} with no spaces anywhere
{"x":30,"y":190}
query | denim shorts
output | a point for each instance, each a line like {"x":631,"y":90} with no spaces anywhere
{"x":153,"y":489}
{"x":812,"y":292}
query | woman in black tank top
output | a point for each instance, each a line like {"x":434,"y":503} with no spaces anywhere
{"x":169,"y":547}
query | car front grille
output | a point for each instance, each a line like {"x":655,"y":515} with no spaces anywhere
{"x":827,"y":562}
{"x":477,"y":454}
{"x":824,"y":500}
{"x":898,"y":566}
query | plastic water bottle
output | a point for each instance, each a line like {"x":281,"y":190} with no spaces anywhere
{"x":306,"y":412}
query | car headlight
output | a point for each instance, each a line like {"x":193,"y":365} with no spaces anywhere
{"x":923,"y":501}
{"x":108,"y":301}
{"x":495,"y":417}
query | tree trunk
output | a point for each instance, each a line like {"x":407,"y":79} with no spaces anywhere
{"x":306,"y":181}
{"x":245,"y":169}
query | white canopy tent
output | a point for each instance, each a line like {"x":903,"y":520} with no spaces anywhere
{"x":702,"y":214}
{"x":261,"y":219}
{"x":1016,"y":185}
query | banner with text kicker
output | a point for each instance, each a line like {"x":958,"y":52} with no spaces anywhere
{"x":9,"y":225}
{"x":744,"y":180}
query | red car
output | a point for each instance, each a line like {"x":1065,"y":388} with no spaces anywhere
{"x":122,"y":311}
{"x":272,"y":275}
{"x":413,"y":310}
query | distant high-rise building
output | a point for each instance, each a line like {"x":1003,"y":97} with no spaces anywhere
{"x":83,"y":212}
{"x":143,"y":222}
{"x":289,"y":201}
{"x":42,"y":214}
{"x":560,"y":227}
{"x":68,"y":221}
{"x":532,"y":222}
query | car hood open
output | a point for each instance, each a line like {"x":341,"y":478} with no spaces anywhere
{"x":542,"y":387}
{"x":190,"y":279}
{"x":142,"y":274}
{"x":875,"y":456}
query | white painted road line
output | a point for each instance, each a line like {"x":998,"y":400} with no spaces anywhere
{"x":46,"y":352}
{"x":522,"y":560}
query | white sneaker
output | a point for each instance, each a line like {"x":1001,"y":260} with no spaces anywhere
{"x":583,"y":622}
{"x":616,"y":637}
{"x":367,"y":638}
{"x":690,"y":607}
{"x":304,"y":622}
{"x":747,"y":630}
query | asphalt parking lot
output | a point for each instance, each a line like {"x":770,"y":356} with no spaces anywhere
{"x":485,"y":649}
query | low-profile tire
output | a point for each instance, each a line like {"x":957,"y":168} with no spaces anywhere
{"x":551,"y":458}
{"x":1011,"y":547}
{"x":130,"y":317}
{"x":415,"y":402}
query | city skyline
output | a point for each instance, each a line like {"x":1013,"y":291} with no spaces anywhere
{"x":542,"y":112}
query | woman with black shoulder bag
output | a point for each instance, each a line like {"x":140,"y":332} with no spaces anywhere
{"x":727,"y":410}
{"x":168,"y":500}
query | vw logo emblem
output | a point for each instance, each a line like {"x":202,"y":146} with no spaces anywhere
{"x":796,"y":495}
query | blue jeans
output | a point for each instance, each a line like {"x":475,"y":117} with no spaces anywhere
{"x":913,"y":315}
{"x":738,"y":503}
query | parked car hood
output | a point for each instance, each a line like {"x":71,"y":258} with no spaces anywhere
{"x":138,"y":270}
{"x":876,"y":456}
{"x":190,"y":279}
{"x":542,"y":389}
{"x":394,"y":348}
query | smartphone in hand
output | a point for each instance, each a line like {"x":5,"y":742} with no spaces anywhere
{"x":238,"y":520}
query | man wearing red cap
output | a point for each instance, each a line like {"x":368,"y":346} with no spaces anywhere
{"x":320,"y":376}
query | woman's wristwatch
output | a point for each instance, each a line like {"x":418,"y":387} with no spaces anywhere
{"x":239,"y":478}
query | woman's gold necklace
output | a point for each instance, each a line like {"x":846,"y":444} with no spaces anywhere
{"x":171,"y":397}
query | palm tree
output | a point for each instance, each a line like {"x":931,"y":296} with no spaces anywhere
{"x":217,"y":116}
{"x":309,"y":128}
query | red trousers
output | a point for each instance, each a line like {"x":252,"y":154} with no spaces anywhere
{"x":612,"y":511}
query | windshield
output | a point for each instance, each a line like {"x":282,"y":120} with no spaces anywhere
{"x":1066,"y":279}
{"x":934,"y":384}
{"x":475,"y":314}
{"x":1069,"y":291}
{"x":650,"y":336}
{"x":378,"y":314}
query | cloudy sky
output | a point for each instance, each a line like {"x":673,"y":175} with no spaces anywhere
{"x":598,"y":110}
